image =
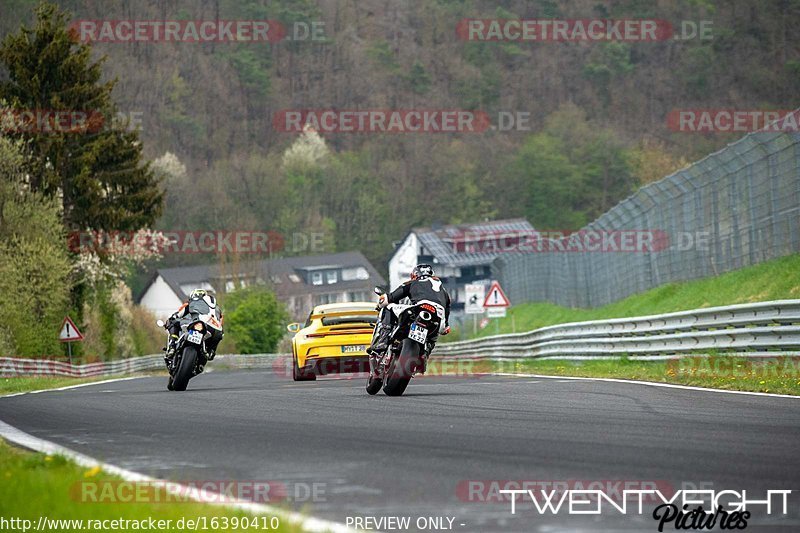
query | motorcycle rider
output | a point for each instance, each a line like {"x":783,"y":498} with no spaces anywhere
{"x":173,"y":324}
{"x":423,"y":285}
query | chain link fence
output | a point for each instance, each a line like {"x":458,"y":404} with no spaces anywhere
{"x":737,"y":207}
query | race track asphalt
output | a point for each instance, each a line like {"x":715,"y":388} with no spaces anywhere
{"x":434,"y":451}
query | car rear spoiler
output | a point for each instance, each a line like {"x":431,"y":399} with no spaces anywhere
{"x":351,"y":312}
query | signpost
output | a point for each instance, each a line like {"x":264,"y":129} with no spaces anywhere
{"x":475,"y":294}
{"x":69,"y":333}
{"x":496,"y":297}
{"x":496,"y":301}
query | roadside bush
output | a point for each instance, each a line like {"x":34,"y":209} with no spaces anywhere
{"x":254,"y":319}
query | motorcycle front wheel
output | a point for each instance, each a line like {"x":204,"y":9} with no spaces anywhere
{"x":185,"y":368}
{"x":373,"y":385}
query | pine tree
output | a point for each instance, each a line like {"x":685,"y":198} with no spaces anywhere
{"x":98,"y":171}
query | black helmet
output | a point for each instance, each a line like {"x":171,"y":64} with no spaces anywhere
{"x":422,"y":271}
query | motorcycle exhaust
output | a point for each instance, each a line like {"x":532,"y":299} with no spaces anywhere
{"x":424,"y":315}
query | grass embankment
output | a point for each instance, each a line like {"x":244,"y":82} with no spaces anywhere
{"x":778,"y":279}
{"x":773,"y":375}
{"x":25,"y":384}
{"x":34,"y":485}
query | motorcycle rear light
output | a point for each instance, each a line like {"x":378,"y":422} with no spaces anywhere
{"x":429,"y":308}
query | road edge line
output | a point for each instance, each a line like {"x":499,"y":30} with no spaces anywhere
{"x":306,"y":523}
{"x":68,"y":387}
{"x":649,"y":383}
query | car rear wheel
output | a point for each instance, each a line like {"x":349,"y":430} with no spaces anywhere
{"x":300,"y":374}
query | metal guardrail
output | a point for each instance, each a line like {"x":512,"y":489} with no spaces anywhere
{"x":759,"y":329}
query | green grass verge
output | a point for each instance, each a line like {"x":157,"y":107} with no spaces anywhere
{"x":778,"y":279}
{"x":34,"y":485}
{"x":26,"y":384}
{"x":777,"y":376}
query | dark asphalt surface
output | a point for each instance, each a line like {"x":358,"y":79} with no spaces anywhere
{"x":408,"y":456}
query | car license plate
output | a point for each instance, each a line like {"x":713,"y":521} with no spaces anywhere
{"x":195,"y":337}
{"x":351,"y":348}
{"x":418,"y":333}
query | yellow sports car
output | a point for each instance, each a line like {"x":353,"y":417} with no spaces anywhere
{"x":333,"y":340}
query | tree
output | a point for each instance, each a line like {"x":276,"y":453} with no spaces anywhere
{"x":254,"y":318}
{"x":34,"y":265}
{"x":97,"y":170}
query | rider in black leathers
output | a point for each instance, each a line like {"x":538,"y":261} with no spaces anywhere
{"x":173,"y":324}
{"x":423,"y":285}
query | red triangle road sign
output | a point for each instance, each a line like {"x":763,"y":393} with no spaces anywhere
{"x":69,"y":331}
{"x":495,"y":297}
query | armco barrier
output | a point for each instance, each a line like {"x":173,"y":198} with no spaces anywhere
{"x":750,"y":330}
{"x":759,"y":329}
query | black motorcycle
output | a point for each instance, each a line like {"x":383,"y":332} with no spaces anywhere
{"x":410,"y":344}
{"x":197,"y":326}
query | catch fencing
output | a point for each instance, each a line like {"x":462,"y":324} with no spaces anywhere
{"x":737,"y":207}
{"x":748,"y":330}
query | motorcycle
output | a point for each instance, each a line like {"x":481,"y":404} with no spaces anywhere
{"x":410,"y":344}
{"x":201,"y":321}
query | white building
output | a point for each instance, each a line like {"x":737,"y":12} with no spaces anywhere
{"x":300,"y":282}
{"x":460,"y":254}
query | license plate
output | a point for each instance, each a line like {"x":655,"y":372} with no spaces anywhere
{"x":351,"y":348}
{"x":195,"y":337}
{"x":418,"y":333}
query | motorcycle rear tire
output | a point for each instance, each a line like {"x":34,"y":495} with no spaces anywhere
{"x":399,"y":375}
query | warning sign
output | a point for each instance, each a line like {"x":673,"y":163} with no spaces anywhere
{"x":495,"y":297}
{"x":69,"y":332}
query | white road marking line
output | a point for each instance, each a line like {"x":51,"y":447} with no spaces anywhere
{"x":315,"y":525}
{"x":70,"y":387}
{"x":648,"y":383}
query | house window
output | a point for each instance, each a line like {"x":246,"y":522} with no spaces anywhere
{"x":331,"y":276}
{"x":316,"y":278}
{"x":294,"y":278}
{"x":352,"y":273}
{"x":357,"y":296}
{"x":322,"y":299}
